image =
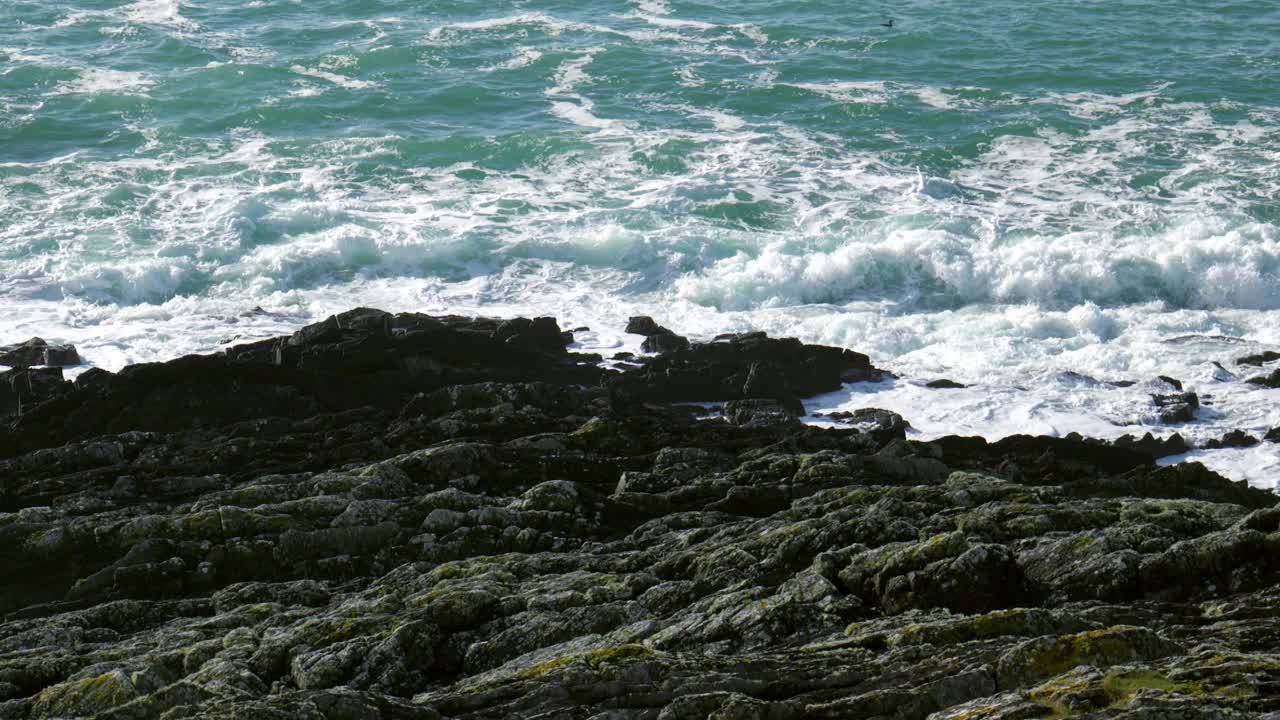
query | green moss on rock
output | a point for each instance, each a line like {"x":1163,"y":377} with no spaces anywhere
{"x":592,"y":658}
{"x":86,"y":696}
{"x":1049,"y":656}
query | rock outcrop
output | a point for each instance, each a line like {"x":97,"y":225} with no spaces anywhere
{"x":658,"y":339}
{"x":1259,"y":359}
{"x":1176,"y":407}
{"x":400,"y":516}
{"x":37,"y":351}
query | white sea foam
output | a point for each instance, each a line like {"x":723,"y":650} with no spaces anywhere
{"x":341,"y":81}
{"x":524,"y":57}
{"x":880,"y":92}
{"x":71,"y":20}
{"x":1017,"y":358}
{"x":688,"y":77}
{"x":1258,"y":465}
{"x":572,"y":73}
{"x":95,"y":81}
{"x":1090,"y":105}
{"x":157,"y":12}
{"x":518,"y":26}
{"x":670,"y":22}
{"x":865,"y":92}
{"x":250,"y":54}
{"x":1198,"y":264}
{"x":19,"y":56}
{"x":1040,"y":255}
{"x":654,"y":7}
{"x":753,"y":33}
{"x":571,"y":105}
{"x":936,"y":98}
{"x":724,"y":121}
{"x":580,"y":115}
{"x":307,"y":90}
{"x":551,"y":25}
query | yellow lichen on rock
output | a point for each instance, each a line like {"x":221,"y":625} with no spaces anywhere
{"x":87,"y":696}
{"x":592,"y":658}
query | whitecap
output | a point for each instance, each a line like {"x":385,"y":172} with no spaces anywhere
{"x":864,"y":92}
{"x":687,"y":77}
{"x":1092,"y":105}
{"x":20,"y":56}
{"x":1192,"y":265}
{"x":669,"y":22}
{"x":580,"y":115}
{"x":751,"y":32}
{"x":524,"y":57}
{"x":935,"y":97}
{"x":449,"y":33}
{"x":551,"y":25}
{"x":306,"y":90}
{"x":571,"y":73}
{"x":96,"y":81}
{"x":341,"y":81}
{"x":157,"y":12}
{"x":571,"y":105}
{"x":720,"y":119}
{"x":654,"y":7}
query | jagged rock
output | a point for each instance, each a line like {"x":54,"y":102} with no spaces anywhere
{"x":1176,"y":408}
{"x":740,"y":367}
{"x":667,"y":342}
{"x":883,"y":424}
{"x":21,"y":391}
{"x":944,"y":384}
{"x":644,"y":325}
{"x":1259,"y":359}
{"x":362,"y":358}
{"x":1153,"y":446}
{"x":944,"y":571}
{"x":38,"y":352}
{"x":1233,"y":439}
{"x":760,"y":413}
{"x":658,"y":339}
{"x":1272,"y":380}
{"x":401,"y":516}
{"x":1039,"y":459}
{"x":93,"y":378}
{"x":1221,"y":373}
{"x":1049,"y":656}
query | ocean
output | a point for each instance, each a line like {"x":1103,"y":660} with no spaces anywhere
{"x":1034,"y":200}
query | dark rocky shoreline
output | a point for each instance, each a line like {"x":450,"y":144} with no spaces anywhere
{"x":406,"y":516}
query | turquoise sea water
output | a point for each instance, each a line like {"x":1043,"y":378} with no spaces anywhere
{"x":993,"y":191}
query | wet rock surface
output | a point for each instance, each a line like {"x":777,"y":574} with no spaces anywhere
{"x":27,"y":388}
{"x":1272,"y":380}
{"x":1259,"y":359}
{"x":1233,"y":439}
{"x":1156,"y":447}
{"x":882,"y":424}
{"x":37,"y":351}
{"x":658,"y":339}
{"x":1176,"y":407}
{"x":401,"y":516}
